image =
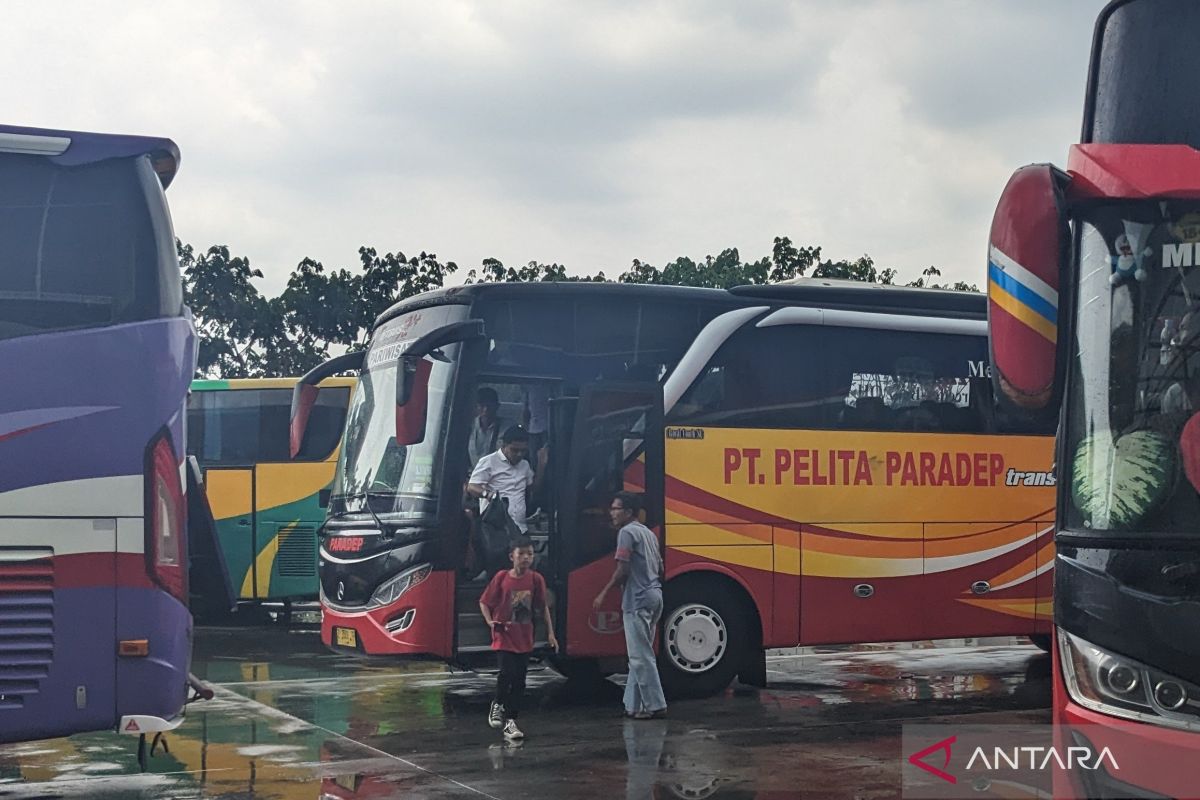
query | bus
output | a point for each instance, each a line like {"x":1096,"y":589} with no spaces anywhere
{"x":818,"y":457}
{"x":267,"y":506}
{"x":96,"y":352}
{"x":1093,"y":293}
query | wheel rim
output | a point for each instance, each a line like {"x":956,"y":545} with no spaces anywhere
{"x":696,"y":638}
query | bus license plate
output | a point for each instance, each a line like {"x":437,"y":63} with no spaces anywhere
{"x":345,"y":637}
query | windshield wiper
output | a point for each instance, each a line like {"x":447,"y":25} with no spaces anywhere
{"x":365,"y":496}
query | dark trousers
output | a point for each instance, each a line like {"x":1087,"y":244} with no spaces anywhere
{"x":510,"y":684}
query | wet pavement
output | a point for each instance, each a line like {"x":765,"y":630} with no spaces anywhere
{"x":291,"y":720}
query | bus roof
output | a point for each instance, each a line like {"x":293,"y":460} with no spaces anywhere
{"x":72,"y":148}
{"x":816,"y":292}
{"x":837,"y":293}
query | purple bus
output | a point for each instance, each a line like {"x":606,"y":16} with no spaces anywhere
{"x":96,"y":352}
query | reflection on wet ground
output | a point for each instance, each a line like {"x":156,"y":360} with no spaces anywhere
{"x":291,"y":720}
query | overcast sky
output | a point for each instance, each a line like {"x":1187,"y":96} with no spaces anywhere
{"x":587,"y":133}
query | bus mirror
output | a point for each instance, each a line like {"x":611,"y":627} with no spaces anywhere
{"x":304,"y":397}
{"x":1028,"y":244}
{"x":412,"y":398}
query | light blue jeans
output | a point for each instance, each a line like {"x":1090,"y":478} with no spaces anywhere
{"x":643,"y":689}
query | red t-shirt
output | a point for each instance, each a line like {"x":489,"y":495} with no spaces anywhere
{"x":514,"y":601}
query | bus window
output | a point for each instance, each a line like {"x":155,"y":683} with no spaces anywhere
{"x":761,"y":378}
{"x":54,"y":219}
{"x":907,"y":380}
{"x":247,"y":426}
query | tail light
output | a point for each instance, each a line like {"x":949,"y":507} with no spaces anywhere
{"x":166,"y":544}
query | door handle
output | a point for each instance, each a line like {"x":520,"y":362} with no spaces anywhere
{"x":245,"y":523}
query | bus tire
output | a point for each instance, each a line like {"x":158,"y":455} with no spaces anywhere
{"x":704,"y":639}
{"x":1042,"y":640}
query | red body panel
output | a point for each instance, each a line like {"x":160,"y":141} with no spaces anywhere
{"x":590,"y":632}
{"x":431,"y":632}
{"x":1133,"y":171}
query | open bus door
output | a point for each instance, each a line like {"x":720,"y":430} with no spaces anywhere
{"x":615,"y":444}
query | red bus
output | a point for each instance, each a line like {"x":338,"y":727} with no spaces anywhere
{"x":1094,"y":285}
{"x":820,"y":459}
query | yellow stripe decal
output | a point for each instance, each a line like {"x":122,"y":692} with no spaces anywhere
{"x":1022,"y":312}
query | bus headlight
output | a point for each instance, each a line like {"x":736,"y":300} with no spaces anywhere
{"x":1121,"y":687}
{"x":390,"y":590}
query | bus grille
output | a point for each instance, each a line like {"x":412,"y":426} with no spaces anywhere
{"x":26,"y":621}
{"x":297,"y":553}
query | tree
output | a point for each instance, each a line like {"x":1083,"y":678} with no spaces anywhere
{"x":325,"y":311}
{"x":232,"y":318}
{"x":492,"y":270}
{"x":932,"y":272}
{"x":242,"y":333}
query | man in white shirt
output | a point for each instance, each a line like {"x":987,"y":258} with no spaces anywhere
{"x":505,"y":473}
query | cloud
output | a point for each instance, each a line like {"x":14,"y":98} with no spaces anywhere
{"x":582,"y":133}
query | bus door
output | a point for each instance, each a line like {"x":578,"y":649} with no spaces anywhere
{"x":231,"y":498}
{"x":616,"y":444}
{"x":58,"y":610}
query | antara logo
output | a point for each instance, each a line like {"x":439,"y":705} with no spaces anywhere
{"x":1043,"y":757}
{"x":1017,"y":757}
{"x":917,"y":759}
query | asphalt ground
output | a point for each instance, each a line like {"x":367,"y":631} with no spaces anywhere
{"x":291,"y":720}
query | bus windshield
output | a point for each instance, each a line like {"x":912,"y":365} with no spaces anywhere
{"x":85,"y":246}
{"x":397,"y":480}
{"x":1136,"y":370}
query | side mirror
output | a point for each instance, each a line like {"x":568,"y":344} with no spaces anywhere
{"x":412,"y":376}
{"x":1027,"y":254}
{"x":412,"y":398}
{"x":304,"y":395}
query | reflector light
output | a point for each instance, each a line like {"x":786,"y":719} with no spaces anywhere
{"x":133,"y":648}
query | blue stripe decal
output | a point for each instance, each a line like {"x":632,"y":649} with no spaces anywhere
{"x":1026,"y":296}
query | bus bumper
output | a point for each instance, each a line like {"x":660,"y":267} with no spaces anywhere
{"x":418,"y":623}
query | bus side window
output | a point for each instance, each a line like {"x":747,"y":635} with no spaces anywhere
{"x":761,"y":378}
{"x":907,"y":380}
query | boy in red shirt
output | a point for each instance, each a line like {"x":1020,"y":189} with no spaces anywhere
{"x":508,"y":605}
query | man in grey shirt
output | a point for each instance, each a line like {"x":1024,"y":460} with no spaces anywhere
{"x":639,"y":568}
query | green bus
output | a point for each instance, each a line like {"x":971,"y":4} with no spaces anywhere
{"x":266,"y":505}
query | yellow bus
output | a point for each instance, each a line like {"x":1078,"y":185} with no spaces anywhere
{"x":267,"y":506}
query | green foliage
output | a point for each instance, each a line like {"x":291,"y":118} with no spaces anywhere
{"x":243,"y":334}
{"x":326,"y":311}
{"x":932,"y":272}
{"x":492,"y":270}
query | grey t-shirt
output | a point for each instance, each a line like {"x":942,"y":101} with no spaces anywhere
{"x":638,"y":545}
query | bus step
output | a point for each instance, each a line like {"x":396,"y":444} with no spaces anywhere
{"x":466,"y":595}
{"x":473,"y":632}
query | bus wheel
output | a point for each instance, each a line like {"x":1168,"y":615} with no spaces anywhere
{"x":704,"y":638}
{"x":1042,"y":640}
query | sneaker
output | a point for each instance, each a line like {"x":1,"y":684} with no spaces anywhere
{"x":496,"y":715}
{"x":511,"y":731}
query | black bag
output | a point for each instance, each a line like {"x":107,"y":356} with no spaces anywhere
{"x":496,"y":530}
